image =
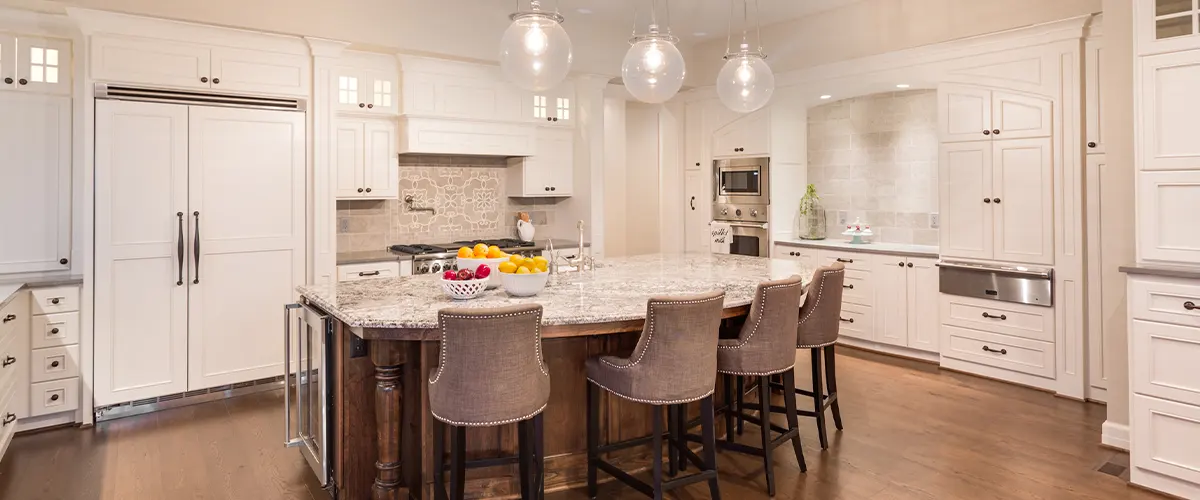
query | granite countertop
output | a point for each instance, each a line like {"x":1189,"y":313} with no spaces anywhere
{"x":876,"y":248}
{"x":9,"y":287}
{"x":616,"y":291}
{"x":1165,"y":271}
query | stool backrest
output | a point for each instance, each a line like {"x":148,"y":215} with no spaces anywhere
{"x":490,"y":366}
{"x":769,"y":330}
{"x":678,"y":345}
{"x":820,"y":316}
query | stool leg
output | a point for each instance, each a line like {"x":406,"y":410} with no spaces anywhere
{"x":525,"y":457}
{"x":593,"y":436}
{"x":656,"y":453}
{"x":539,"y":457}
{"x":793,"y":419}
{"x":672,"y":440}
{"x":764,"y":399}
{"x":710,"y":444}
{"x":439,"y":460}
{"x":458,"y":463}
{"x":819,"y":398}
{"x":682,"y":414}
{"x":729,"y":399}
{"x":741,"y":394}
{"x":831,"y":382}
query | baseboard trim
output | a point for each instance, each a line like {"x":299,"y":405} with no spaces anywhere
{"x":1114,"y":435}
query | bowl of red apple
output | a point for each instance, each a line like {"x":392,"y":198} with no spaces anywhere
{"x":465,"y":284}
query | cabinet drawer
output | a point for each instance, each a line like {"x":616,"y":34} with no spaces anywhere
{"x":1165,"y":301}
{"x":851,"y":260}
{"x":857,"y":288}
{"x":1018,"y":320}
{"x":53,"y":397}
{"x":13,"y":314}
{"x":11,"y":362}
{"x":858,"y":321}
{"x":54,"y":363}
{"x":54,"y":300}
{"x":8,"y":417}
{"x":357,"y":272}
{"x":1164,"y":361}
{"x":1001,"y":351}
{"x":53,"y":330}
{"x":1164,"y":437}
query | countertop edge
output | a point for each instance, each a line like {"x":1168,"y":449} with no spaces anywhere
{"x":868,"y":248}
{"x":1163,"y":271}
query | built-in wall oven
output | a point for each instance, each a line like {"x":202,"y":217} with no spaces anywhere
{"x":743,"y":181}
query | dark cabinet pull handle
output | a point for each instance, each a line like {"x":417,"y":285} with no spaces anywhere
{"x":987,"y":132}
{"x":987,"y":200}
{"x":1002,"y":317}
{"x":196,"y":247}
{"x":362,"y":105}
{"x":1001,"y":351}
{"x":54,"y":397}
{"x":556,"y":118}
{"x":910,"y":264}
{"x":10,"y":317}
{"x":372,"y":273}
{"x":552,"y":188}
{"x":847,"y":261}
{"x":1189,"y":305}
{"x":548,"y":118}
{"x":8,"y":81}
{"x":793,"y":254}
{"x":996,"y":200}
{"x":54,"y":364}
{"x":9,"y":360}
{"x":370,"y":106}
{"x":850,"y":286}
{"x":204,"y":79}
{"x":63,"y":261}
{"x":216,"y":81}
{"x":697,"y":164}
{"x":360,"y":190}
{"x":851,"y":320}
{"x":368,"y":190}
{"x":901,"y":264}
{"x":179,"y":249}
{"x":995,"y":131}
{"x":692,"y":202}
{"x":54,"y":301}
{"x":10,"y":418}
{"x":23,"y":81}
{"x":54,"y":331}
{"x":1091,"y":144}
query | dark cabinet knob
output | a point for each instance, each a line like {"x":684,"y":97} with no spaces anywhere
{"x":697,"y":164}
{"x":547,"y":188}
{"x":987,"y":200}
{"x":8,"y":81}
{"x":204,"y":79}
{"x":360,"y":190}
{"x":996,"y":200}
{"x":216,"y":81}
{"x":556,"y":118}
{"x":63,"y":261}
{"x":10,"y":317}
{"x":1191,"y":306}
{"x":547,"y":118}
{"x":552,"y":188}
{"x":362,"y":105}
{"x":370,"y":106}
{"x":910,"y":264}
{"x":54,"y":301}
{"x":10,"y":418}
{"x":793,"y":254}
{"x":54,"y":397}
{"x":54,"y":331}
{"x":368,"y":190}
{"x":995,"y":131}
{"x":1091,"y":144}
{"x":9,"y":360}
{"x":54,"y":364}
{"x":900,"y":264}
{"x":987,"y":132}
{"x":23,"y":81}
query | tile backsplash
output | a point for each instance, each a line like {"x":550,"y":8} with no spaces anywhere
{"x":467,"y":192}
{"x":875,"y":158}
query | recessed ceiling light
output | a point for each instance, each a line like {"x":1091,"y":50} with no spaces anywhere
{"x":700,"y":33}
{"x":902,"y":86}
{"x":826,"y":96}
{"x":584,"y":11}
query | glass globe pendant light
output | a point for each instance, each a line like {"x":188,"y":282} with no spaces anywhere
{"x":535,"y":52}
{"x":746,"y":82}
{"x":653,"y":69}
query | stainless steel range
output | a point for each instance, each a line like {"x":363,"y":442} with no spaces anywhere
{"x":429,"y":259}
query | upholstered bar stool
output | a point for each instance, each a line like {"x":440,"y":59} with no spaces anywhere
{"x":674,"y":363}
{"x":763,"y":349}
{"x":490,"y":372}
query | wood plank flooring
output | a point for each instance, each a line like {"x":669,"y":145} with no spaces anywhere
{"x":912,"y":432}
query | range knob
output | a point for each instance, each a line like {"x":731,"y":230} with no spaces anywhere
{"x":423,"y":270}
{"x":754,"y":213}
{"x":436,"y":267}
{"x":738,"y":212}
{"x":724,"y":211}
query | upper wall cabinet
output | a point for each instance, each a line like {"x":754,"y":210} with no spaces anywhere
{"x":1166,"y":25}
{"x":1167,"y":203}
{"x":365,"y":160}
{"x":554,"y":107}
{"x":1093,"y":49}
{"x":550,"y":172}
{"x":366,"y":84}
{"x":175,"y":64}
{"x":973,"y":114}
{"x":1170,"y":111}
{"x":448,"y":89}
{"x":748,"y":136}
{"x":34,"y":64}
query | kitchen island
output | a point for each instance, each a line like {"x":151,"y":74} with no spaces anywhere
{"x":384,"y":345}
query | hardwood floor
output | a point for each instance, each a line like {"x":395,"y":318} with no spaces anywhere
{"x":912,"y":432}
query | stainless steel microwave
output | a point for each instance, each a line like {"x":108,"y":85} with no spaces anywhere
{"x":743,"y":181}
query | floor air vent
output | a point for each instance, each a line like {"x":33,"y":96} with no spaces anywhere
{"x":188,"y":398}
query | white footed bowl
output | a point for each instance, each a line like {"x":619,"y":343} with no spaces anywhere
{"x":524,"y":285}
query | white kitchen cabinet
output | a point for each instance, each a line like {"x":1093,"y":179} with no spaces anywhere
{"x":906,"y":290}
{"x":1167,"y":204}
{"x":423,"y":135}
{"x":808,"y":257}
{"x":1093,"y":50}
{"x":997,"y":200}
{"x":367,"y":84}
{"x":748,"y":136}
{"x":147,"y":61}
{"x":32,"y":64}
{"x":554,"y":107}
{"x":371,"y":270}
{"x":923,"y":289}
{"x":969,"y":113}
{"x":1163,"y":441}
{"x":695,"y":219}
{"x":364,"y":160}
{"x":8,"y":61}
{"x":35,"y":194}
{"x":450,"y":89}
{"x":1171,"y":111}
{"x":550,"y":171}
{"x":695,"y":147}
{"x":1165,"y":26}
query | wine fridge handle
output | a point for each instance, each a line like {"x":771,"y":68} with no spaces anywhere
{"x":287,"y":376}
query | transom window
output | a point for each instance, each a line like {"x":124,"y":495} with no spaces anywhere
{"x":43,"y":65}
{"x":563,"y":108}
{"x":347,"y":90}
{"x":539,"y":106}
{"x":383,"y":93}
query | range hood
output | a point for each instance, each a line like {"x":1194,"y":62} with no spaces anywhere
{"x":449,"y":136}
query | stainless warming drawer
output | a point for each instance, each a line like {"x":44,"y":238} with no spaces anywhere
{"x":1023,"y":285}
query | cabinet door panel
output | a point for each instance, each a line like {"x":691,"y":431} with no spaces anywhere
{"x":44,"y":64}
{"x":1023,"y":181}
{"x":35,"y":190}
{"x":1093,"y":94}
{"x":155,"y":62}
{"x":347,"y":88}
{"x":8,"y":61}
{"x":247,"y":171}
{"x":381,"y":172}
{"x":747,"y":136}
{"x":141,"y":294}
{"x":348,"y":159}
{"x":243,"y":70}
{"x":1170,"y":111}
{"x":965,"y":113}
{"x":891,"y":300}
{"x":1167,"y":206}
{"x":380,"y":92}
{"x":965,"y":174}
{"x":693,"y":136}
{"x":1019,"y":117}
{"x":923,"y":319}
{"x":695,"y":229}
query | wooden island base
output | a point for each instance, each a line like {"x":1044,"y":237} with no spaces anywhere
{"x":382,"y":432}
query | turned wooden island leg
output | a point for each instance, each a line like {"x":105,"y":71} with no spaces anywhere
{"x":388,"y":358}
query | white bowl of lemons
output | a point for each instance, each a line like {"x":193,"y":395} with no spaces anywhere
{"x":523,"y":276}
{"x":471,"y":258}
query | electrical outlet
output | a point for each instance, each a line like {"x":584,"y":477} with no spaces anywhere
{"x":841,"y":217}
{"x":344,"y":225}
{"x":934,"y":221}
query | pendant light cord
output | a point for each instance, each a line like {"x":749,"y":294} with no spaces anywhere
{"x":758,"y":24}
{"x":729,"y":28}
